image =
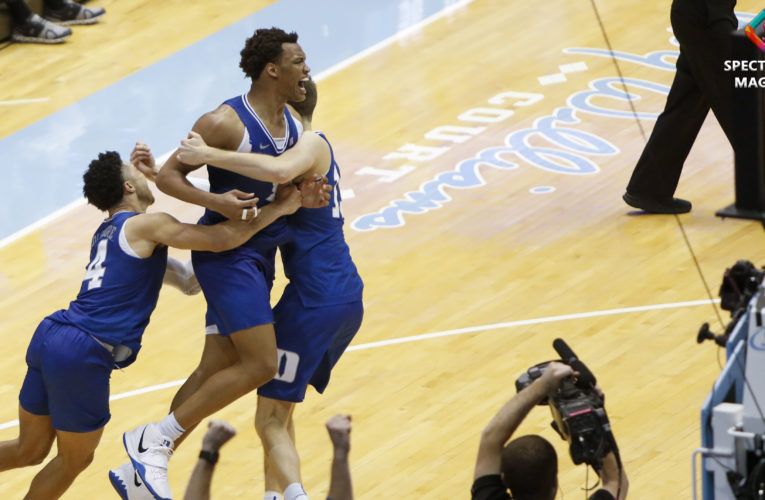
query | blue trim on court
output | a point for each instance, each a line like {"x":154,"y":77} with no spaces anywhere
{"x":43,"y":163}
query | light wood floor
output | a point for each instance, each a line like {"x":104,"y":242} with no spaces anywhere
{"x":493,"y":255}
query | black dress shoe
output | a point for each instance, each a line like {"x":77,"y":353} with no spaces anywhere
{"x":673,"y":206}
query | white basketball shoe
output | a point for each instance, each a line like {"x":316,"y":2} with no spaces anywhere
{"x":128,"y":484}
{"x":150,"y":452}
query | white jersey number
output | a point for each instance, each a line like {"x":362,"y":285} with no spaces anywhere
{"x":95,"y":270}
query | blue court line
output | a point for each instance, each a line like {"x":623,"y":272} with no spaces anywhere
{"x":43,"y":163}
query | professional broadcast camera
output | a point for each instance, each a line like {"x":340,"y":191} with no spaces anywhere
{"x":578,"y":413}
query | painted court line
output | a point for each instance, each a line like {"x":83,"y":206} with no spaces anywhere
{"x":535,"y":321}
{"x":16,"y":102}
{"x":42,"y":222}
{"x":391,"y":39}
{"x":447,"y":333}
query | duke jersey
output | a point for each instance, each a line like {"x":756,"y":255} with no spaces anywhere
{"x":318,"y":262}
{"x":257,"y":139}
{"x":120,"y":289}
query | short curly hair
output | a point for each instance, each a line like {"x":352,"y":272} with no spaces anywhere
{"x":103,"y":181}
{"x":263,"y":47}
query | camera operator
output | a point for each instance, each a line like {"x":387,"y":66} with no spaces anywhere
{"x":528,"y":466}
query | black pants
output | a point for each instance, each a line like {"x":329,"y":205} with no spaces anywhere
{"x":20,"y":11}
{"x":700,"y":84}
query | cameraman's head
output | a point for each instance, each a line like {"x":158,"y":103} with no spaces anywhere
{"x":529,"y":468}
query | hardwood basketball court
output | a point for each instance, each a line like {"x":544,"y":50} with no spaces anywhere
{"x":487,"y":152}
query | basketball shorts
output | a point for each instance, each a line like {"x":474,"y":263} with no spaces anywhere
{"x":309,"y":341}
{"x":67,"y":378}
{"x":237,"y":288}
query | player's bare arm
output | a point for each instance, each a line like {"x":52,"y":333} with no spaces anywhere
{"x":144,"y":232}
{"x":309,"y":157}
{"x":223,"y":129}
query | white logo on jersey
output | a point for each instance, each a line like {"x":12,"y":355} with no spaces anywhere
{"x":263,"y":146}
{"x":288,"y":364}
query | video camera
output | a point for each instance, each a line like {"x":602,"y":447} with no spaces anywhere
{"x":579,"y":415}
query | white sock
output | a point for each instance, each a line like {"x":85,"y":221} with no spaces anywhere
{"x":272,"y":495}
{"x":295,"y":491}
{"x":170,"y":428}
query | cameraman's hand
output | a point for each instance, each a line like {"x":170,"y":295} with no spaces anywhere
{"x":553,"y":374}
{"x":614,"y":480}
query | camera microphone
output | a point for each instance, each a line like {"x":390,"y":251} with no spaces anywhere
{"x":568,"y":357}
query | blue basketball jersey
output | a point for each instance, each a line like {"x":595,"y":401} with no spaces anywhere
{"x":318,"y":261}
{"x":120,"y":289}
{"x":257,"y":139}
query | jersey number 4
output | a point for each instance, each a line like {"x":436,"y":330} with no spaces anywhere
{"x":96,"y":269}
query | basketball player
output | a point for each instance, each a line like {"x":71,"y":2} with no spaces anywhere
{"x":236,"y":284}
{"x":65,"y":394}
{"x":321,"y":308}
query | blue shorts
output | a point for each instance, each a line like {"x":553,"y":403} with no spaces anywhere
{"x":309,"y":342}
{"x":67,"y":378}
{"x":237,"y":287}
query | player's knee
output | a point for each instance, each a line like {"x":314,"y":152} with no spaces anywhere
{"x":34,"y":458}
{"x":78,"y":463}
{"x":269,"y":427}
{"x":261,"y":372}
{"x":32,"y":454}
{"x":270,"y":368}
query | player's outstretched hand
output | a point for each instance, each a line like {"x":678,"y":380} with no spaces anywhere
{"x":218,"y":434}
{"x":315,"y":191}
{"x":339,"y":428}
{"x":143,"y":159}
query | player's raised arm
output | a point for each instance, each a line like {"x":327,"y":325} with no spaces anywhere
{"x":223,"y":129}
{"x":311,"y":155}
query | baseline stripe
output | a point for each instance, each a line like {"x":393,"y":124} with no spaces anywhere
{"x":447,"y":333}
{"x":42,"y":222}
{"x":16,"y":102}
{"x":384,"y":43}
